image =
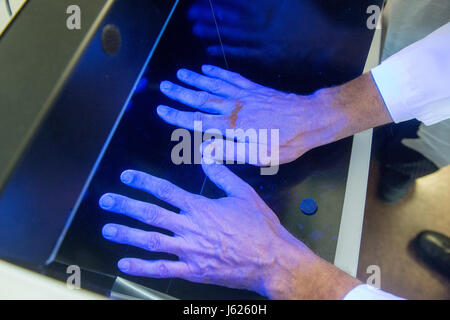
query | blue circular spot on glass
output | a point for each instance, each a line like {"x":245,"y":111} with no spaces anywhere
{"x":308,"y":206}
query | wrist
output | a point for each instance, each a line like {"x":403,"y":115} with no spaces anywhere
{"x":297,"y":273}
{"x":358,"y":106}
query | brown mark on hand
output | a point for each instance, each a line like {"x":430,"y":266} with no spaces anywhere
{"x":234,"y":114}
{"x":218,"y":100}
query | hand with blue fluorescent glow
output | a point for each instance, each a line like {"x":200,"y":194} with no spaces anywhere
{"x":227,"y":100}
{"x":236,"y":241}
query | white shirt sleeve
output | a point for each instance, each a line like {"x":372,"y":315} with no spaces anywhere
{"x":366,"y":292}
{"x":415,"y":82}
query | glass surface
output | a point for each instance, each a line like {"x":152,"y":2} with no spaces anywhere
{"x":293,"y":45}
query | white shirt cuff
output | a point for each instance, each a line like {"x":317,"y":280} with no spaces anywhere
{"x":366,"y":292}
{"x":414,"y":83}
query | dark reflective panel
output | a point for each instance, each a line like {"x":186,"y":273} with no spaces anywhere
{"x":292,"y":45}
{"x":305,"y":44}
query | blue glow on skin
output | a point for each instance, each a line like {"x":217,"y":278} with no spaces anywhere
{"x":106,"y":201}
{"x":248,"y":242}
{"x":124,"y":265}
{"x":236,"y":254}
{"x":246,"y":231}
{"x":127,"y":176}
{"x":226,"y":100}
{"x":109,"y":232}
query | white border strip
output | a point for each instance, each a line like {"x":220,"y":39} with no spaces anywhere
{"x":350,"y":231}
{"x":22,"y":284}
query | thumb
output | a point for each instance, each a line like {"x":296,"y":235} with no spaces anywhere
{"x":224,"y":178}
{"x":230,"y":152}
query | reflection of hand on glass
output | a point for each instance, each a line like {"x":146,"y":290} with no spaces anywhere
{"x":229,"y":101}
{"x":264,"y":30}
{"x":236,"y":241}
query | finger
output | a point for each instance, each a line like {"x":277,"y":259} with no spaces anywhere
{"x":212,"y":85}
{"x":160,"y":269}
{"x":228,"y":76}
{"x":150,"y":241}
{"x":196,"y":99}
{"x":234,"y":152}
{"x":145,"y":212}
{"x":160,"y":188}
{"x":192,"y":120}
{"x":226,"y":180}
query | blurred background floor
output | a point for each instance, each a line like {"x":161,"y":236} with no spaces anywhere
{"x":389,"y":228}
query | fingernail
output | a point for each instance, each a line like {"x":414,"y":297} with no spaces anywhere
{"x":207,"y":67}
{"x":165,"y":85}
{"x":109,"y":231}
{"x":162,"y":111}
{"x":182,"y":74}
{"x":106,"y":201}
{"x":126,"y":177}
{"x":124,"y":265}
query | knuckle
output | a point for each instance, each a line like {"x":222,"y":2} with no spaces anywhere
{"x":171,"y":113}
{"x":123,"y":205}
{"x":165,"y":191}
{"x":141,"y":181}
{"x":198,"y":273}
{"x":235,"y":76}
{"x":202,"y":97}
{"x":201,"y":271}
{"x":122,"y":235}
{"x":163,"y":271}
{"x":291,"y":96}
{"x":186,"y":97}
{"x":196,"y":203}
{"x":151,"y":215}
{"x":198,"y":116}
{"x":216,"y":85}
{"x":153,"y":242}
{"x":178,"y":92}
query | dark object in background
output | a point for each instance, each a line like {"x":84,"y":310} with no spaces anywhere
{"x":111,"y":40}
{"x":434,"y":249}
{"x":400,"y":165}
